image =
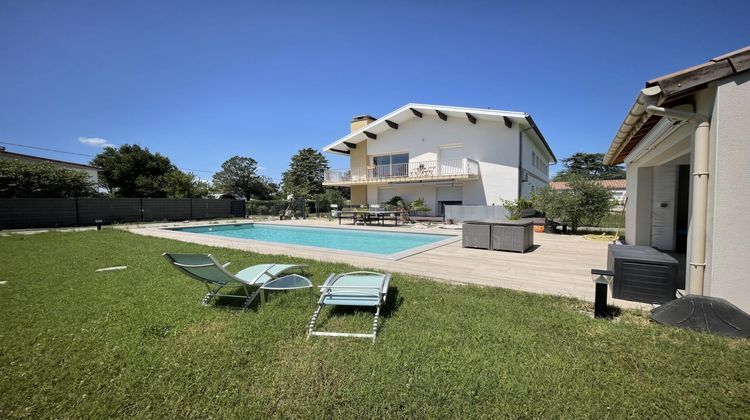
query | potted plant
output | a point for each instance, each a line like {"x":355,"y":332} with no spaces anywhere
{"x":414,"y":206}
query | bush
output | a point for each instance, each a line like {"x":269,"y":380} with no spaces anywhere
{"x":516,"y":207}
{"x":42,"y":180}
{"x":585,"y":202}
{"x":325,"y":199}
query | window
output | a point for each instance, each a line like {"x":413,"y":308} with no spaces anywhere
{"x":391,"y":165}
{"x":539,"y":163}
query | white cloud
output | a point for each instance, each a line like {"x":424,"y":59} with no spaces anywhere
{"x":261,"y":168}
{"x":95,"y":142}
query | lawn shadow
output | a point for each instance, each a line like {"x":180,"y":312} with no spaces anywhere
{"x":235,"y":303}
{"x":612,"y":312}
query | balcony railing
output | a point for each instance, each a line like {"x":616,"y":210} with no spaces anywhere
{"x":405,"y":172}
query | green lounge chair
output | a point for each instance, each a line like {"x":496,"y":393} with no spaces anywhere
{"x":358,"y":288}
{"x":205,"y":268}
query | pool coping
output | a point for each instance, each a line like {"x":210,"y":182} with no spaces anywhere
{"x":392,"y":257}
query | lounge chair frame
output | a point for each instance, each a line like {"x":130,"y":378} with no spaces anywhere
{"x":231,"y":279}
{"x":381,"y":292}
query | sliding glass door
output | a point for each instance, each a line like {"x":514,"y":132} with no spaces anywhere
{"x":389,"y":166}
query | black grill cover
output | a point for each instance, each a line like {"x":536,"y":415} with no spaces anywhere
{"x":704,"y":313}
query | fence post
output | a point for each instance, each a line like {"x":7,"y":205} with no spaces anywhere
{"x":78,"y":217}
{"x":141,"y":205}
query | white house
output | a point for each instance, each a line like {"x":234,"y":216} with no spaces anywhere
{"x":686,"y":143}
{"x":446,"y":155}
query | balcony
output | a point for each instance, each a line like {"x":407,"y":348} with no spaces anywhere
{"x":417,"y":171}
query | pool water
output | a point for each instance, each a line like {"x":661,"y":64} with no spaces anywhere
{"x":383,"y":243}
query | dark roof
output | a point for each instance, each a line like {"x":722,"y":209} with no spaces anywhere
{"x":714,"y":69}
{"x":44,"y":159}
{"x":676,"y":89}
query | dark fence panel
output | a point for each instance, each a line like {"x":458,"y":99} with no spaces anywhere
{"x":20,"y":213}
{"x":166,"y":209}
{"x":238,"y":208}
{"x":109,"y":210}
{"x":204,"y":208}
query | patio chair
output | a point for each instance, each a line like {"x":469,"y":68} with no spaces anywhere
{"x":358,"y":288}
{"x":205,"y":268}
{"x":334,"y":212}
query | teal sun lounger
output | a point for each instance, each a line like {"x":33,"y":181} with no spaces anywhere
{"x":205,"y":268}
{"x":359,"y":288}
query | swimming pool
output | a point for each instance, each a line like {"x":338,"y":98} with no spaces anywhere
{"x":393,"y":244}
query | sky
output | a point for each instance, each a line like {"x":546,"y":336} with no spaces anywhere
{"x":203,"y":81}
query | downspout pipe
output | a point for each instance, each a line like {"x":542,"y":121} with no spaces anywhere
{"x":700,"y":192}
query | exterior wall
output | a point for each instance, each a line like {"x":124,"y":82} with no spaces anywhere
{"x":663,"y":199}
{"x":358,"y":158}
{"x":380,"y":193}
{"x":358,"y":195}
{"x":638,"y":206}
{"x":729,"y":194}
{"x":535,"y":178}
{"x":492,"y":144}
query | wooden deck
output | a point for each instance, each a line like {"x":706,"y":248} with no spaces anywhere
{"x":558,"y":264}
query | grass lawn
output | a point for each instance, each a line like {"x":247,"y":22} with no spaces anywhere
{"x":137,"y":343}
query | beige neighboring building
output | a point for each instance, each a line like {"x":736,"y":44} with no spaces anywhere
{"x":92,"y":171}
{"x":686,"y":143}
{"x":616,"y":186}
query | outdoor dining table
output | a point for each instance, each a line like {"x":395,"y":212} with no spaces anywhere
{"x":367,"y":216}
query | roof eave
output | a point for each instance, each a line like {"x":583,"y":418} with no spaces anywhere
{"x":533,"y":125}
{"x":632,"y":122}
{"x":358,"y":136}
{"x":671,"y":86}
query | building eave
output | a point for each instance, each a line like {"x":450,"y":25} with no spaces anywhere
{"x":406,"y":113}
{"x":671,"y":89}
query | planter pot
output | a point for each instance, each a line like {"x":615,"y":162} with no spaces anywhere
{"x":538,"y":228}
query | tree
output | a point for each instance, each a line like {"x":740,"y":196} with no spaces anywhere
{"x":178,"y":184}
{"x":590,"y":165}
{"x":132,"y":171}
{"x":239,"y":176}
{"x":330,"y":196}
{"x":42,"y":180}
{"x":585,"y":202}
{"x":304,"y":178}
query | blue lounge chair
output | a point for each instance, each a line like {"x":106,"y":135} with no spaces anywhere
{"x":205,"y":268}
{"x":359,"y":288}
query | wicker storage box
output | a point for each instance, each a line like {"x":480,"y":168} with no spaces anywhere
{"x":476,"y":234}
{"x":512,"y":235}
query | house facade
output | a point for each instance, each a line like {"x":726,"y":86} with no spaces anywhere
{"x":686,"y":141}
{"x":443,"y":154}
